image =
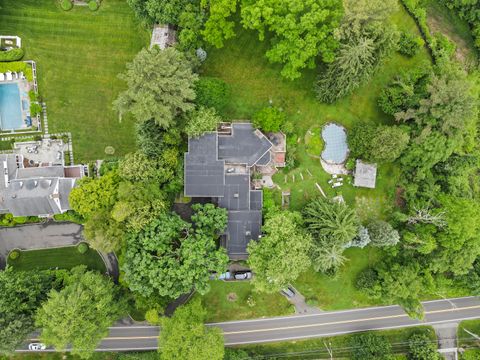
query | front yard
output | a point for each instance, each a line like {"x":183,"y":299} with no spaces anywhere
{"x":62,"y":258}
{"x":79,"y":54}
{"x":236,"y":300}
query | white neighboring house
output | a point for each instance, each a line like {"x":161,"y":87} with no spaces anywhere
{"x":163,"y":36}
{"x":365,"y":175}
{"x":35,"y":190}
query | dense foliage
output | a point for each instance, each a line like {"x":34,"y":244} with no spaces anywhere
{"x":184,"y":336}
{"x":87,"y":305}
{"x":370,"y":346}
{"x":281,"y":255}
{"x":22,"y":293}
{"x":169,"y":257}
{"x":301,"y":30}
{"x":160,"y":86}
{"x":366,"y":38}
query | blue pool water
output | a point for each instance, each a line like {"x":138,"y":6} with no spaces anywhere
{"x":336,"y":148}
{"x":10,"y":107}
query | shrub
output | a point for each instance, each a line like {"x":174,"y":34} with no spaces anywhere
{"x":11,"y":55}
{"x":14,"y":254}
{"x":35,"y":109}
{"x":269,"y":119}
{"x":212,"y":92}
{"x":82,"y":248}
{"x":20,"y":219}
{"x":66,"y":5}
{"x":32,"y":95}
{"x":93,"y":5}
{"x":312,"y":302}
{"x":409,"y":44}
{"x":366,"y":280}
{"x":17,"y":66}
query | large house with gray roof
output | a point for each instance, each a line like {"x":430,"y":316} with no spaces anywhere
{"x":35,"y":190}
{"x":218,"y":165}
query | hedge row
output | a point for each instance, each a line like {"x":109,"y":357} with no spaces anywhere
{"x":19,"y":66}
{"x":11,"y":55}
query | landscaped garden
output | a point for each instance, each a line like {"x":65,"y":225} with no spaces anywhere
{"x":61,"y":258}
{"x":79,"y":54}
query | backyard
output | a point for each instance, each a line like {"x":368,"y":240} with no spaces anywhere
{"x":79,"y":54}
{"x":62,"y":258}
{"x":255,"y":83}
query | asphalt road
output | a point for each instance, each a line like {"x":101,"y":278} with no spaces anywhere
{"x":294,"y":327}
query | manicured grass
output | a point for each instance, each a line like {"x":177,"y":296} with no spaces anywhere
{"x":79,"y":54}
{"x":63,"y":258}
{"x":220,"y":306}
{"x":340,"y":345}
{"x":338,"y":292}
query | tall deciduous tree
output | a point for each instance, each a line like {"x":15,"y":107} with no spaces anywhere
{"x":184,"y":336}
{"x":382,"y":234}
{"x":370,"y":346}
{"x":80,"y":313}
{"x":160,"y":86}
{"x":282,"y":253}
{"x":22,"y":292}
{"x":219,"y":27}
{"x":168,"y":258}
{"x":301,"y":30}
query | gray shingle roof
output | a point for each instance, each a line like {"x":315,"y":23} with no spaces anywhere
{"x":46,"y":171}
{"x":206,"y":164}
{"x":365,"y":175}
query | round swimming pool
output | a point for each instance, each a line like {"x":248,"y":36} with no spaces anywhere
{"x":336,"y":148}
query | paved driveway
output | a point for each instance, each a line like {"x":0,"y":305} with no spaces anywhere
{"x":38,"y":236}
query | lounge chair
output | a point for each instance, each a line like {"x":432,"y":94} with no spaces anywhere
{"x":9,"y":76}
{"x":2,"y":77}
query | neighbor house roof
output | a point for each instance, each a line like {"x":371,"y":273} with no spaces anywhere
{"x":35,"y":191}
{"x":218,"y":166}
{"x":365,"y":174}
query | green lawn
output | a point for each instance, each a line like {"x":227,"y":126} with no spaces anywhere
{"x":338,"y":292}
{"x":229,"y":301}
{"x":63,"y":258}
{"x":79,"y":54}
{"x":465,"y":339}
{"x":315,"y":348}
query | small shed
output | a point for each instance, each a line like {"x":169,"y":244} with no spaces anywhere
{"x":163,"y":36}
{"x":365,"y":175}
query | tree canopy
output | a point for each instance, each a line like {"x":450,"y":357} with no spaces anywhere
{"x":22,"y":293}
{"x":169,"y":258}
{"x":201,"y":120}
{"x":184,"y":335}
{"x":160,"y":86}
{"x":87,"y":305}
{"x":301,"y":30}
{"x":282,"y":253}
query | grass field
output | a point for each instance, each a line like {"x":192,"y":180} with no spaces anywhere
{"x":63,"y":258}
{"x":229,"y":301}
{"x":79,"y":54}
{"x":340,"y":345}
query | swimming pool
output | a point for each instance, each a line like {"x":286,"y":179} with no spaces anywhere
{"x":10,"y":107}
{"x":336,"y":148}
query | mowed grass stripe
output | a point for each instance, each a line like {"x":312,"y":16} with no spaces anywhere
{"x":79,"y":55}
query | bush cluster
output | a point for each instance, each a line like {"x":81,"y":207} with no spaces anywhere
{"x":14,"y":254}
{"x":82,"y":248}
{"x":93,"y":5}
{"x":66,"y":4}
{"x":11,"y":55}
{"x":409,"y":44}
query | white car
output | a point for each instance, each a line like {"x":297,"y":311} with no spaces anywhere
{"x":37,"y":346}
{"x":244,"y":275}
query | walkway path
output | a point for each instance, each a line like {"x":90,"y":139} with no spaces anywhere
{"x":447,"y":340}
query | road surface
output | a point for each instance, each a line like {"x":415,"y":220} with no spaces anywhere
{"x":294,"y":327}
